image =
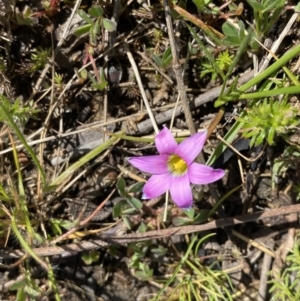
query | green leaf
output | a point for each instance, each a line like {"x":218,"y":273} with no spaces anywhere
{"x":271,"y":136}
{"x":160,"y":251}
{"x":18,"y":284}
{"x":21,"y":295}
{"x":82,"y":30}
{"x":270,"y":4}
{"x":241,"y":31}
{"x":108,"y":24}
{"x":274,"y":16}
{"x":31,"y":291}
{"x":9,"y":119}
{"x":189,"y":212}
{"x":121,"y":187}
{"x":97,"y":27}
{"x":138,"y":187}
{"x":199,"y":3}
{"x":297,"y":7}
{"x":93,"y":36}
{"x":83,"y":73}
{"x":145,"y":273}
{"x":142,"y":228}
{"x":95,"y":255}
{"x":201,"y":217}
{"x":229,"y":30}
{"x":273,"y":92}
{"x":213,"y":66}
{"x":157,"y":60}
{"x":181,"y":221}
{"x":84,"y":16}
{"x":254,"y":45}
{"x":134,"y":202}
{"x":96,"y":11}
{"x":137,"y":204}
{"x":256,"y":5}
{"x":83,"y":160}
{"x":86,"y":258}
{"x":128,"y":223}
{"x":100,"y":86}
{"x":167,"y":58}
{"x":55,"y":227}
{"x":231,"y":41}
{"x":90,"y":257}
{"x":117,"y":210}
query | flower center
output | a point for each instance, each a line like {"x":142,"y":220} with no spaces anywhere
{"x":177,"y":165}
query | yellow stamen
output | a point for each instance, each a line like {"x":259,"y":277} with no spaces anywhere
{"x":177,"y":165}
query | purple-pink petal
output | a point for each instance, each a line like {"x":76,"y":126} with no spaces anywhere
{"x":202,"y":174}
{"x":152,"y":164}
{"x":165,"y":142}
{"x":190,"y":148}
{"x":156,"y":186}
{"x":181,"y":191}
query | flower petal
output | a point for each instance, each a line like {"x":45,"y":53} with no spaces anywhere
{"x":165,"y":142}
{"x":202,"y":174}
{"x":181,"y":191}
{"x":152,"y":164}
{"x":156,"y":186}
{"x":189,"y":148}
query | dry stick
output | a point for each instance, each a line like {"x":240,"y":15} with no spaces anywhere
{"x":84,"y":222}
{"x":72,"y":249}
{"x":215,"y":122}
{"x":225,"y":222}
{"x":110,"y":38}
{"x":85,"y":127}
{"x":145,"y":126}
{"x":68,"y":85}
{"x":164,"y":117}
{"x":241,"y":155}
{"x":45,"y":126}
{"x":115,"y":18}
{"x":277,"y":43}
{"x":254,"y":243}
{"x":266,"y":266}
{"x":139,"y":81}
{"x":196,"y":21}
{"x":181,"y":87}
{"x":149,"y":61}
{"x":178,"y":70}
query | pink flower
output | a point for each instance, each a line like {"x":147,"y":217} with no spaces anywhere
{"x":173,"y":169}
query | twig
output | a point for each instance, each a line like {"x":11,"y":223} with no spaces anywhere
{"x":109,"y":40}
{"x":139,"y":81}
{"x":178,"y":70}
{"x":149,"y":61}
{"x":278,"y":42}
{"x":241,"y":155}
{"x":196,"y":21}
{"x":224,"y":222}
{"x":72,"y":249}
{"x":161,"y":118}
{"x":254,"y":243}
{"x":264,"y":274}
{"x":84,"y":222}
{"x":130,"y":174}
